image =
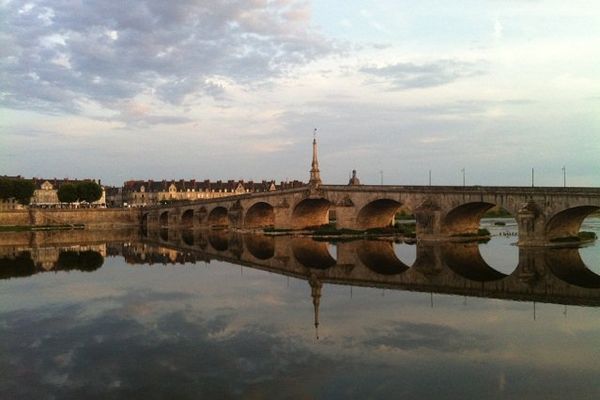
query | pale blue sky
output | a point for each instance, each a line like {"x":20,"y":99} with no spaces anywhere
{"x":228,"y":90}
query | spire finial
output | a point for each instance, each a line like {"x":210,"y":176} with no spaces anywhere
{"x":315,"y":176}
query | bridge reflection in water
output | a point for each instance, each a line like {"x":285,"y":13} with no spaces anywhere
{"x":551,"y":275}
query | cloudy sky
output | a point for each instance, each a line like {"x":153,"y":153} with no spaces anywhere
{"x":233,"y":89}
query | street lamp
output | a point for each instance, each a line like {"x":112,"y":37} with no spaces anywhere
{"x":564,"y":170}
{"x":463,"y":174}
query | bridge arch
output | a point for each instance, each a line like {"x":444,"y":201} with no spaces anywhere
{"x":218,"y":217}
{"x":310,"y":212}
{"x":260,"y":215}
{"x":163,"y":219}
{"x":219,"y":240}
{"x":465,"y":218}
{"x":379,"y":257}
{"x":567,"y":265}
{"x":261,"y":247}
{"x":567,"y":223}
{"x":187,"y":219}
{"x":312,"y":254}
{"x":377,"y":214}
{"x":187,"y":236}
{"x":163,"y":234}
{"x":466,"y":260}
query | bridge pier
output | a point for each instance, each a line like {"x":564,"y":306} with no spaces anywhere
{"x":428,"y":218}
{"x":175,"y":217}
{"x":532,"y":225}
{"x":345,"y":217}
{"x":282,"y":217}
{"x":152,"y":220}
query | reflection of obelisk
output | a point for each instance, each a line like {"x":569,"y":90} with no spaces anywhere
{"x":315,"y":293}
{"x":315,"y":175}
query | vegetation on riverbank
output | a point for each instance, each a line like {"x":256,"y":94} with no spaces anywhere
{"x":27,"y":228}
{"x":403,"y":216}
{"x":482,"y":236}
{"x":582,"y":237}
{"x":406,"y":230}
{"x":497,"y":212}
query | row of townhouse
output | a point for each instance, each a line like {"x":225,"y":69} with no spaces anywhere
{"x":141,"y":193}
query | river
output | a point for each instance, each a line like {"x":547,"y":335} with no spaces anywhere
{"x":113,"y":315}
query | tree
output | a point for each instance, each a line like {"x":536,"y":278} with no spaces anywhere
{"x":23,"y":191}
{"x":87,"y":261}
{"x":6,"y":188}
{"x":67,"y":193}
{"x":89,"y":191}
{"x":19,"y":189}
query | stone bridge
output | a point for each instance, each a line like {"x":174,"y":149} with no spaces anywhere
{"x":441,"y":212}
{"x":556,"y":275}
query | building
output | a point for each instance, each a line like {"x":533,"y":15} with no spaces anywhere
{"x":46,"y":192}
{"x":114,"y":196}
{"x":139,"y":193}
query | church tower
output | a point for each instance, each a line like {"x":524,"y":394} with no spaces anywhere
{"x":315,"y":175}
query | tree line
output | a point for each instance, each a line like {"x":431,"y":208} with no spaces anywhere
{"x":19,"y":189}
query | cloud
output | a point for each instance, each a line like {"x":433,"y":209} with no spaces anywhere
{"x":58,"y":54}
{"x":498,"y":30}
{"x":403,"y":76}
{"x":419,"y":336}
{"x":119,"y":352}
{"x":137,"y":115}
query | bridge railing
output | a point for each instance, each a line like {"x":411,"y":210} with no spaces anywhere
{"x":462,"y":189}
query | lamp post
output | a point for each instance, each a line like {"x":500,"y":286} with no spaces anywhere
{"x":429,"y":177}
{"x":532,"y":177}
{"x":381,"y":176}
{"x":564,"y":170}
{"x":463,"y":174}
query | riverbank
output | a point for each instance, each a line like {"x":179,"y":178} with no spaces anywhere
{"x":57,"y":219}
{"x":30,"y":228}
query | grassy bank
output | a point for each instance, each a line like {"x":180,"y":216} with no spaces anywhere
{"x":28,"y":228}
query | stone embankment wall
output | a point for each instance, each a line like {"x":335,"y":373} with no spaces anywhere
{"x":18,"y":240}
{"x":92,"y":218}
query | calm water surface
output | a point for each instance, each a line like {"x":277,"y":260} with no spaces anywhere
{"x":120,"y":316}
